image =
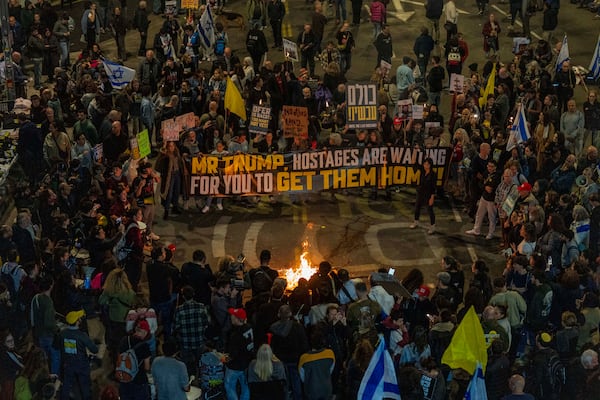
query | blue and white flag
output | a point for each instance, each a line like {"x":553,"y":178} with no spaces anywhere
{"x":476,"y":389}
{"x":595,"y":64}
{"x":118,"y":75}
{"x":563,"y":54}
{"x":379,"y":380}
{"x":206,"y":27}
{"x":519,"y":132}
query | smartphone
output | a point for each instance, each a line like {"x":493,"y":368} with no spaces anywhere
{"x":391,"y":271}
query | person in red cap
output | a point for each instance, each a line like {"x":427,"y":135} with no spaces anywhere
{"x":419,"y":309}
{"x":240,"y":348}
{"x":137,"y":388}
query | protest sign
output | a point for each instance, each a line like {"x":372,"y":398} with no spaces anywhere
{"x":189,"y":4}
{"x":98,"y":152}
{"x":295,"y":121}
{"x":290,"y":50}
{"x":143,"y":141}
{"x":185,"y":121}
{"x":170,"y":130}
{"x":457,"y":83}
{"x":361,"y":106}
{"x":405,"y":108}
{"x":417,"y":111}
{"x":259,"y":120}
{"x":135,"y":149}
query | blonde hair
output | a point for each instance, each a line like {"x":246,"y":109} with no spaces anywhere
{"x":117,"y":282}
{"x":263,"y":367}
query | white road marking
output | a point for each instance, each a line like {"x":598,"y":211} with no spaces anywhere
{"x":420,"y":3}
{"x":219,"y":236}
{"x":365,"y":208}
{"x":251,"y":243}
{"x":501,"y":11}
{"x":400,"y":13}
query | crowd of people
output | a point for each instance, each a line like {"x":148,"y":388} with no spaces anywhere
{"x":84,"y":227}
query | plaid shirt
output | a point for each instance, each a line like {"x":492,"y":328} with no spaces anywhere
{"x":191,"y":321}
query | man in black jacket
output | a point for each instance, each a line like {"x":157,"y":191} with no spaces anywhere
{"x":306,"y":43}
{"x":289,"y":342}
{"x":276,"y":12}
{"x":433,"y":12}
{"x":240,"y":348}
{"x":199,"y":276}
{"x":160,"y":284}
{"x":256,"y":44}
{"x":383,"y":44}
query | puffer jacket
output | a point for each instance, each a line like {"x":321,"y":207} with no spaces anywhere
{"x":377,"y":12}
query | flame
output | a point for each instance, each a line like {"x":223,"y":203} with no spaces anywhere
{"x":303,"y":270}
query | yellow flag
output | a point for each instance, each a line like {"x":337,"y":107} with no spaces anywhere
{"x":234,"y":101}
{"x":468,"y":345}
{"x":489,"y":87}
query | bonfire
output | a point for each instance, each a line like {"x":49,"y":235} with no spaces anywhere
{"x":304,"y":269}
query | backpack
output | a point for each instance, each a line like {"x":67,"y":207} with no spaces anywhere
{"x":220,"y":44}
{"x":454,"y":56}
{"x":261,"y":281}
{"x":121,"y":250}
{"x":9,"y":277}
{"x":127,"y":365}
{"x":555,"y":374}
{"x":251,"y":42}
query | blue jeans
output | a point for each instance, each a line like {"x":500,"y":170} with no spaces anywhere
{"x":376,"y":29}
{"x":45,"y":343}
{"x":435,"y":98}
{"x":232,"y":377}
{"x":291,"y":370}
{"x":174,"y":190}
{"x":165,"y":312}
{"x":64,"y":53}
{"x":37,"y":71}
{"x":340,"y":4}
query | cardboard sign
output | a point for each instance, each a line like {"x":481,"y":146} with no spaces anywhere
{"x":143,"y":141}
{"x":259,"y":120}
{"x":290,"y":50}
{"x":185,"y":121}
{"x":295,"y":121}
{"x":417,"y":111}
{"x":457,"y":82}
{"x":190,"y":4}
{"x":170,"y":130}
{"x":385,"y":67}
{"x":405,"y":108}
{"x":98,"y":152}
{"x":361,"y":108}
{"x":135,"y":149}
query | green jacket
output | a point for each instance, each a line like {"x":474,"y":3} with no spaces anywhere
{"x":118,"y":304}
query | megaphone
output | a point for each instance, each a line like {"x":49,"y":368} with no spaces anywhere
{"x":581,"y":181}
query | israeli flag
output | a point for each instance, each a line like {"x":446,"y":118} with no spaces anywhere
{"x":519,"y":132}
{"x":563,"y":54}
{"x":118,"y":75}
{"x":476,"y":389}
{"x":379,"y":381}
{"x":206,"y":27}
{"x":595,"y":64}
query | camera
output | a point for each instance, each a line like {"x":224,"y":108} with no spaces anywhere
{"x":238,"y":284}
{"x":237,"y":264}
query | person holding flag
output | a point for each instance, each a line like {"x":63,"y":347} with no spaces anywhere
{"x":379,"y":380}
{"x":564,"y":79}
{"x":595,"y":63}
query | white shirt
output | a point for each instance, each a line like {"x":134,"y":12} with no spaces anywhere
{"x":451,"y":13}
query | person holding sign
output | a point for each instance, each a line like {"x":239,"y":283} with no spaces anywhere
{"x":426,"y":195}
{"x":171,"y":167}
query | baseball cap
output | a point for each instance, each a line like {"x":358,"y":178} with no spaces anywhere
{"x":423,"y":291}
{"x":238,"y":313}
{"x":545,"y":338}
{"x":397,"y":121}
{"x":143,"y":326}
{"x":74,"y":316}
{"x":444,"y":277}
{"x":524,"y":187}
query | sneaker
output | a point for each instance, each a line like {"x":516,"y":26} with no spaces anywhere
{"x":472,"y":232}
{"x":205,"y":209}
{"x":414,"y":225}
{"x":220,"y":207}
{"x":153,"y":236}
{"x":431,"y":230}
{"x":489,"y":236}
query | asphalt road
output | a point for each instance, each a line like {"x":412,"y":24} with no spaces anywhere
{"x":352,"y":231}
